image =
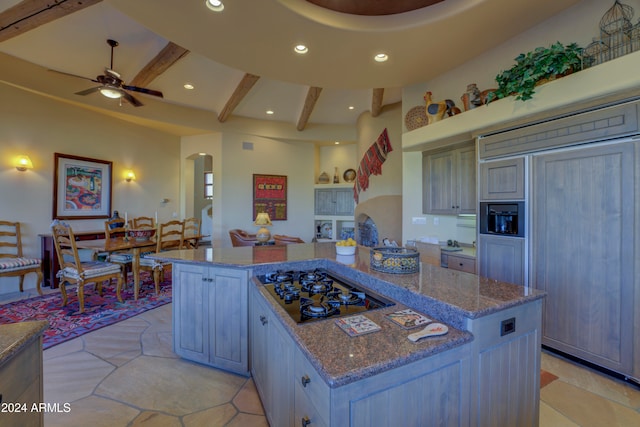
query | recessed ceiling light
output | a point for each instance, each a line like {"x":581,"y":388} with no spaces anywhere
{"x":351,"y":107}
{"x":381,"y":57}
{"x":301,"y":49}
{"x":215,"y":5}
{"x":270,"y":112}
{"x":337,"y":143}
{"x":188,"y":86}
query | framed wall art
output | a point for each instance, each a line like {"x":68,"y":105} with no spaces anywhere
{"x":270,"y":195}
{"x":81,"y":188}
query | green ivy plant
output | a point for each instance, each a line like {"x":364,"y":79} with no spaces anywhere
{"x":535,"y":66}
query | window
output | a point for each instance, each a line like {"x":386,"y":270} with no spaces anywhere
{"x":208,"y":185}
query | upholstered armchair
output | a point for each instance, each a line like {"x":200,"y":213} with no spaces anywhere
{"x":242,"y":238}
{"x":282,"y":239}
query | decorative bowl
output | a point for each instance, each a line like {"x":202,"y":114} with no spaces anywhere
{"x":141,"y":234}
{"x":395,"y":260}
{"x":345,"y":250}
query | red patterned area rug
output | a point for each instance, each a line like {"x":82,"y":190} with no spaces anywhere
{"x":66,"y":323}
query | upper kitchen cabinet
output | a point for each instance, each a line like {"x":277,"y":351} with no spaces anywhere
{"x":449,"y":181}
{"x":502,"y":179}
{"x":334,"y":201}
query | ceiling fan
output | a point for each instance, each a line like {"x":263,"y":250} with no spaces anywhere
{"x":112,"y":85}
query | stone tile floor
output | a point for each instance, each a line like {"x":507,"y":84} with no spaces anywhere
{"x":127,"y":375}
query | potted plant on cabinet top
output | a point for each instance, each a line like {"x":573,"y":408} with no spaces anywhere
{"x":537,"y":67}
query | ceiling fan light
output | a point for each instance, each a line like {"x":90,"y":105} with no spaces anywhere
{"x":111,"y":92}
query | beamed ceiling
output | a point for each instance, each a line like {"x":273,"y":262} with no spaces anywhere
{"x":241,"y":60}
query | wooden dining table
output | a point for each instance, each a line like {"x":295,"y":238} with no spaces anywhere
{"x":119,"y":244}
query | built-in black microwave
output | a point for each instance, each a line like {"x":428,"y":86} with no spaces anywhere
{"x":502,"y":218}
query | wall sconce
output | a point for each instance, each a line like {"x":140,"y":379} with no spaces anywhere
{"x":129,"y":176}
{"x":23,"y":163}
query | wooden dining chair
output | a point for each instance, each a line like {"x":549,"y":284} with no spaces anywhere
{"x":113,"y":229}
{"x":74,"y":271}
{"x":191,"y":228}
{"x":12,"y":263}
{"x":169,"y":237}
{"x":142,"y":222}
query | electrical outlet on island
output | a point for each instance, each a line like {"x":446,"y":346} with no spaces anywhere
{"x":436,"y":220}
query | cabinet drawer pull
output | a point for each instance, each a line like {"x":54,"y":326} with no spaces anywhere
{"x":264,"y":320}
{"x":305,"y":421}
{"x":305,"y":380}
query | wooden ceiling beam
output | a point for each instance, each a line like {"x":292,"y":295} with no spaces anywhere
{"x":376,"y":101}
{"x":30,"y":14}
{"x":168,"y":56}
{"x":309,"y":103}
{"x":241,"y":91}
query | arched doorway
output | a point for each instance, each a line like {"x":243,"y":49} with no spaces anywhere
{"x":203,"y":186}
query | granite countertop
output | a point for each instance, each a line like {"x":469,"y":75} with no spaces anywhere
{"x":451,"y":293}
{"x":446,"y":296}
{"x":463,"y":251}
{"x":341,"y":359}
{"x":14,"y":336}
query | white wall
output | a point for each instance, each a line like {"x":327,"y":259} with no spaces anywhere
{"x":39,"y":127}
{"x":212,"y":145}
{"x":577,"y":24}
{"x":269,"y":157}
{"x":341,"y":156}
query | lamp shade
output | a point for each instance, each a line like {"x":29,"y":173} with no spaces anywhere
{"x":262,"y":219}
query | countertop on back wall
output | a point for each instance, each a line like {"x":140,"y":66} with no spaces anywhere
{"x":465,"y":251}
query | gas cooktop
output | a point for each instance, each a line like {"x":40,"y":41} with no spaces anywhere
{"x":319,"y":294}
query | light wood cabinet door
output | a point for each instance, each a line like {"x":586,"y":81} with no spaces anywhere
{"x":440,"y":183}
{"x":466,"y":186}
{"x":324,"y":202}
{"x":334,"y":201}
{"x":190,"y":312}
{"x":228,"y":320}
{"x":271,"y":362}
{"x":210,"y":316}
{"x":502,"y":179}
{"x":584,"y":253}
{"x":258,"y":332}
{"x":21,"y":382}
{"x":501,"y":258}
{"x":449,"y":181}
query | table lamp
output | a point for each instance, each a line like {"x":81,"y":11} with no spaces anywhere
{"x":263,"y":220}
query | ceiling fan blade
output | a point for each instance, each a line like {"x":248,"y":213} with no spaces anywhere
{"x":143,"y":90}
{"x":89,"y":91}
{"x":74,"y":75}
{"x":131,"y":100}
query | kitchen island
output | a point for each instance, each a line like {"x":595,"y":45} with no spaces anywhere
{"x":484,"y":371}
